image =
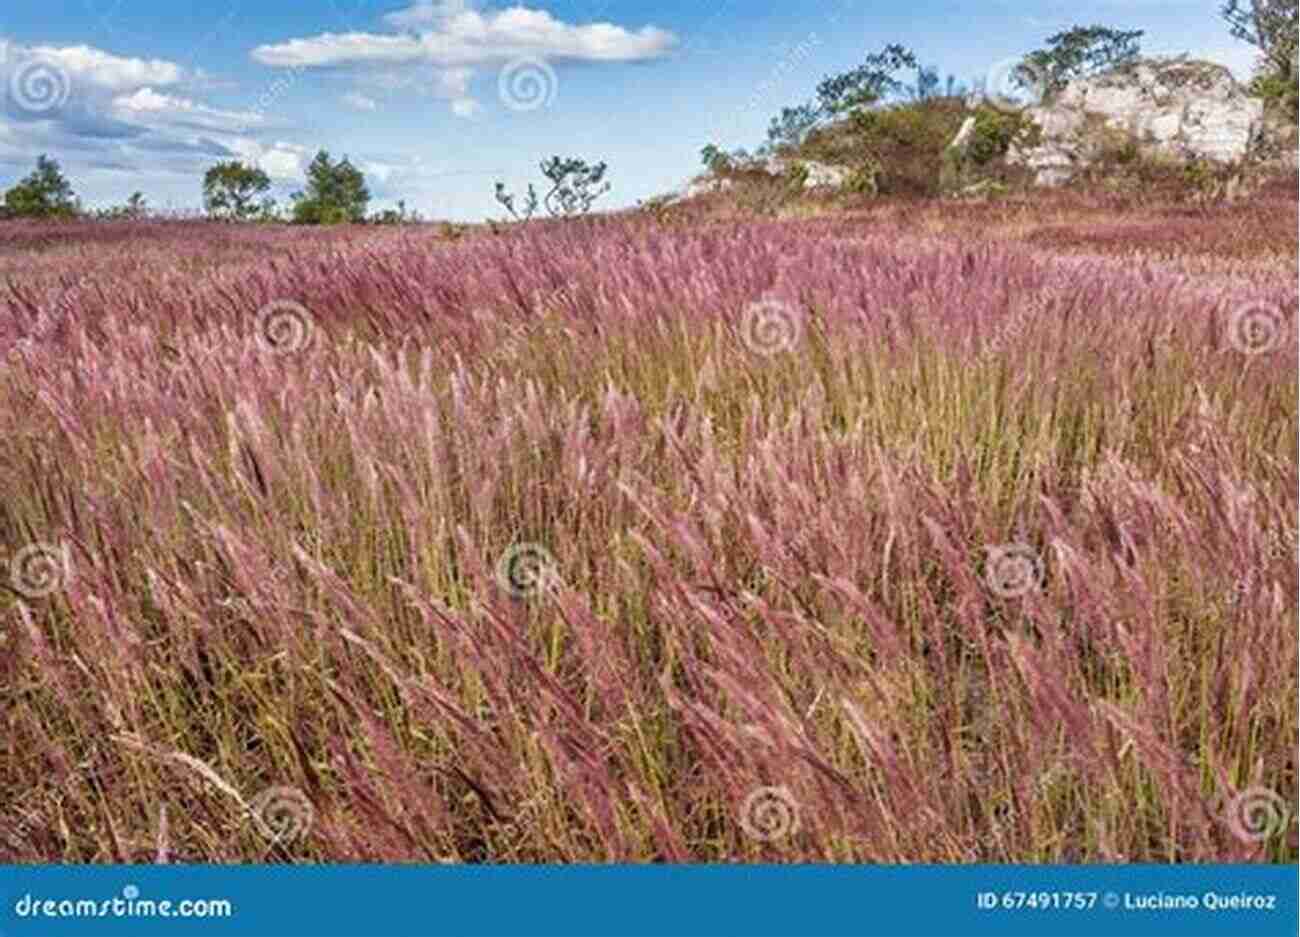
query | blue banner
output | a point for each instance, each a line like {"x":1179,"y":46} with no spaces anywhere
{"x":648,"y":901}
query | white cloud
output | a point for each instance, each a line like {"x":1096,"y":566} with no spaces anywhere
{"x":464,"y":107}
{"x":426,"y":13}
{"x":106,"y":70}
{"x":278,"y":160}
{"x":359,"y":101}
{"x":460,"y":37}
{"x":154,"y":108}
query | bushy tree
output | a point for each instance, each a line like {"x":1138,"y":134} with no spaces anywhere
{"x":231,"y":189}
{"x":1076,"y":52}
{"x":45,"y":193}
{"x":792,"y":126}
{"x":867,"y":84}
{"x":1270,"y":26}
{"x":336,"y":193}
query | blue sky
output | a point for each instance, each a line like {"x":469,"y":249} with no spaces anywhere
{"x":437,"y":99}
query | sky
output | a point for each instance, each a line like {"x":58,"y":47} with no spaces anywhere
{"x":436,"y":100}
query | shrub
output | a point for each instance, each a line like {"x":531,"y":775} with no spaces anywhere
{"x":336,"y":193}
{"x":44,"y":193}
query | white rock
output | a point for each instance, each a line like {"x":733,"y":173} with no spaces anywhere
{"x":1178,"y":107}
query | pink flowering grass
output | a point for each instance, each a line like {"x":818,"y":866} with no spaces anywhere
{"x":816,"y":540}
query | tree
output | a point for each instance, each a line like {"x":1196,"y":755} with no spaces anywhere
{"x":1270,"y":26}
{"x":575,"y":186}
{"x":793,"y":124}
{"x":1076,"y":52}
{"x":865,"y":85}
{"x":45,"y":193}
{"x":336,"y":193}
{"x":231,"y":188}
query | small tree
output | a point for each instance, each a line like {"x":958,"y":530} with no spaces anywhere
{"x":336,"y":193}
{"x":230,"y":190}
{"x":865,"y":85}
{"x":1270,"y":26}
{"x":45,"y":193}
{"x":1080,"y":51}
{"x":575,"y":186}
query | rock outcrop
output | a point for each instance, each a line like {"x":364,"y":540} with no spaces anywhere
{"x":1177,"y":108}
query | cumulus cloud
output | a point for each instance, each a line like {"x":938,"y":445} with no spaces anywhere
{"x":454,"y":36}
{"x":473,"y":38}
{"x":103,"y":69}
{"x":149,"y":106}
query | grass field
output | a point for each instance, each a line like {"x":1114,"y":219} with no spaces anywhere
{"x":928,"y":532}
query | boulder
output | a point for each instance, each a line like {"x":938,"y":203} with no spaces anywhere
{"x":1177,"y":108}
{"x":820,"y":175}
